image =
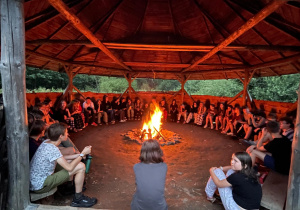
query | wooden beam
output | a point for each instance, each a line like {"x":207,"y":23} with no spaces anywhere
{"x":235,"y":97}
{"x":153,"y":47}
{"x":293,"y":195}
{"x":13,"y":74}
{"x":277,"y":62}
{"x":70,"y":16}
{"x":271,"y":7}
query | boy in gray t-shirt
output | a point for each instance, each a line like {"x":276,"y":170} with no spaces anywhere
{"x":43,"y":163}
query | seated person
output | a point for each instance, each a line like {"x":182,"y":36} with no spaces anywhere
{"x":63,"y":115}
{"x":235,"y":123}
{"x":201,"y":112}
{"x":220,"y":115}
{"x":227,"y":118}
{"x":43,"y":177}
{"x":237,"y":184}
{"x":123,"y":110}
{"x":193,"y":112}
{"x":130,"y":109}
{"x":258,"y":119}
{"x":48,"y":119}
{"x":276,"y":154}
{"x":146,"y":112}
{"x":211,"y":113}
{"x":138,"y":106}
{"x":115,"y":105}
{"x":286,"y":126}
{"x":173,"y":110}
{"x":108,"y":109}
{"x":182,"y":112}
{"x":164,"y":108}
{"x":36,"y":131}
{"x":77,"y":115}
{"x":100,"y":113}
{"x":89,"y":111}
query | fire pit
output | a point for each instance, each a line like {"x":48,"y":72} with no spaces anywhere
{"x":152,"y":130}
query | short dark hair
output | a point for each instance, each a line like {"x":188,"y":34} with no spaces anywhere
{"x":87,"y":98}
{"x":288,"y":120}
{"x":56,"y":130}
{"x":151,"y":152}
{"x":273,"y":127}
{"x":37,"y":127}
{"x":272,"y":115}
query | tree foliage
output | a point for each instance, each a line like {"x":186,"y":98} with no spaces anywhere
{"x":281,"y":88}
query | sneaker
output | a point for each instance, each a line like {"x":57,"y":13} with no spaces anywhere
{"x":122,"y":121}
{"x":212,"y":200}
{"x":212,"y":127}
{"x":94,"y":124}
{"x":230,"y":134}
{"x":224,"y":132}
{"x":83,"y":201}
{"x":205,"y":126}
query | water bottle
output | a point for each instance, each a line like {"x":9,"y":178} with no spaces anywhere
{"x":88,"y":163}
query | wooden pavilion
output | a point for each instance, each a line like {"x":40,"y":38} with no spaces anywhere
{"x":165,"y":39}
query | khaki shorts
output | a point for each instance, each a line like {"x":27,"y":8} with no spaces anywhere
{"x":54,"y":180}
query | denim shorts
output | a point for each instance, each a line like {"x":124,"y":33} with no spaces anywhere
{"x":269,"y":162}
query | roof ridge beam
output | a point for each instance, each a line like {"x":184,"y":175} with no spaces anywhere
{"x":65,"y":11}
{"x":271,"y":7}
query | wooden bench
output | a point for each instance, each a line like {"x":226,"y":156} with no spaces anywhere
{"x":38,"y":196}
{"x":274,"y":191}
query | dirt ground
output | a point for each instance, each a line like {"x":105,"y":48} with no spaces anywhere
{"x":111,"y":177}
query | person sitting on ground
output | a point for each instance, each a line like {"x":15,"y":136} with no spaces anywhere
{"x":286,"y":126}
{"x":247,"y":124}
{"x":235,"y":124}
{"x":100,"y":113}
{"x":182,"y":112}
{"x":138,"y":106}
{"x":123,"y":110}
{"x":77,"y":115}
{"x":220,"y":116}
{"x":49,"y":103}
{"x":227,"y":119}
{"x":193,"y":112}
{"x":47,"y":118}
{"x":150,"y":178}
{"x":130,"y":109}
{"x":173,"y":110}
{"x":63,"y":115}
{"x":211,"y":113}
{"x":36,"y":131}
{"x":276,"y":154}
{"x":89,"y":111}
{"x":239,"y":187}
{"x":164,"y":108}
{"x":258,"y":119}
{"x":108,"y":109}
{"x":200,"y":114}
{"x":43,"y":177}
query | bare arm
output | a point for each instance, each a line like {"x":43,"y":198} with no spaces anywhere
{"x":219,"y":183}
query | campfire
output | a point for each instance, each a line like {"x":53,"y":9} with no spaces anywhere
{"x":152,"y":129}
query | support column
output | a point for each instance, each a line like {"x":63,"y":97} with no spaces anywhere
{"x":130,"y":88}
{"x":293,"y":191}
{"x":246,"y":79}
{"x":13,"y":73}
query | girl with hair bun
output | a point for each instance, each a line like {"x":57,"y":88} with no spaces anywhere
{"x":150,"y":178}
{"x":239,"y":188}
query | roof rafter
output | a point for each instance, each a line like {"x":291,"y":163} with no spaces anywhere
{"x":281,"y":25}
{"x":65,"y":11}
{"x":248,"y":25}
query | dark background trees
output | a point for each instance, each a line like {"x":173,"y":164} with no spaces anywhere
{"x":281,"y":88}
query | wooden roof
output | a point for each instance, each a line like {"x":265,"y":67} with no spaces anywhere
{"x":163,"y":38}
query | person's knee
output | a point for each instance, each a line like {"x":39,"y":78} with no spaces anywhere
{"x":81,"y":166}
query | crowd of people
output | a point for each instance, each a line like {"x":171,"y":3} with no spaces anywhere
{"x":55,"y":161}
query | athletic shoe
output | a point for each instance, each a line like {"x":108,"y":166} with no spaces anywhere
{"x":94,"y":124}
{"x":205,"y":126}
{"x":230,"y":134}
{"x":83,"y":201}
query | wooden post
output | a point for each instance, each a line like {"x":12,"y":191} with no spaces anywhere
{"x":235,"y":97}
{"x":13,"y":71}
{"x":70,"y":87}
{"x":245,"y":91}
{"x":293,"y":195}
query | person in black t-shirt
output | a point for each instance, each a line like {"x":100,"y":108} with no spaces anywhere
{"x":239,"y":188}
{"x":276,"y":154}
{"x":36,"y":130}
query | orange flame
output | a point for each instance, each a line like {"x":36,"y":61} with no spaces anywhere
{"x":154,"y":123}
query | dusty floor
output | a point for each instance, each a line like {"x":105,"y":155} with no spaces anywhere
{"x":111,"y":178}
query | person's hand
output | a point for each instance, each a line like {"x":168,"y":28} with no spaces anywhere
{"x":250,"y":149}
{"x":212,"y":169}
{"x":87,"y":150}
